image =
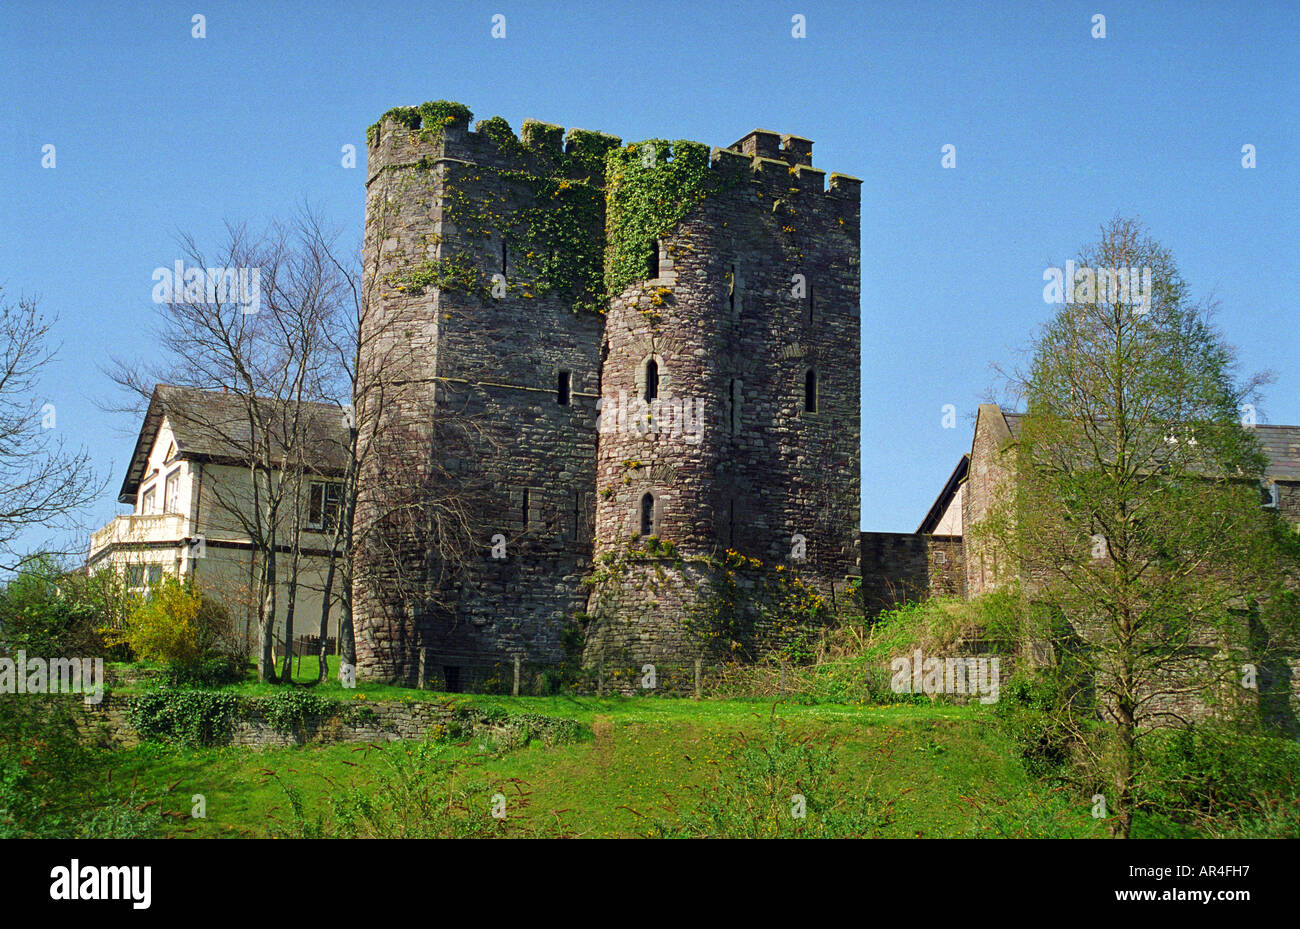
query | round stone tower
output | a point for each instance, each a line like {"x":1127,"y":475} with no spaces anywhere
{"x":729,"y":398}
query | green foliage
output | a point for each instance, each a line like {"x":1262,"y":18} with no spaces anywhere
{"x":48,"y":611}
{"x":778,"y":785}
{"x":190,"y":717}
{"x":174,"y":623}
{"x":420,"y":792}
{"x":1220,"y":778}
{"x":1028,"y":710}
{"x":289,"y":708}
{"x":45,"y":770}
{"x":129,"y":818}
{"x":754,"y":610}
{"x":650,"y":187}
{"x":432,"y":116}
{"x":213,"y":671}
{"x":499,"y":131}
{"x":456,"y":274}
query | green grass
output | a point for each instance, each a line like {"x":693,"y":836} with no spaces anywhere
{"x":942,"y":770}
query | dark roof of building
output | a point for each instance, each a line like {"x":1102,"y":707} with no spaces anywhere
{"x":214,"y":427}
{"x":940,"y":505}
{"x":1280,"y":443}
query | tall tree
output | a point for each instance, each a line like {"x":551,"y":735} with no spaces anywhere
{"x":270,"y":360}
{"x":1135,"y":520}
{"x":43,"y":484}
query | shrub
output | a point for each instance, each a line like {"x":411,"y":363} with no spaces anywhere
{"x":213,"y":671}
{"x":175,"y":623}
{"x":1224,"y":779}
{"x":48,"y":611}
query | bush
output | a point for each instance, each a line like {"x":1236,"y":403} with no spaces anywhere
{"x":1213,"y":776}
{"x":214,"y":671}
{"x":175,"y":623}
{"x":1027,"y":712}
{"x":48,"y":611}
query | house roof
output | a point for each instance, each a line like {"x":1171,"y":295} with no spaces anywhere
{"x":214,"y":427}
{"x":940,"y":505}
{"x":1281,"y":444}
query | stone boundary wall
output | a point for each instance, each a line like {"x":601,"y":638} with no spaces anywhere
{"x":898,"y":567}
{"x":380,"y":721}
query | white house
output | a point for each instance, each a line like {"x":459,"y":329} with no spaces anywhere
{"x":190,"y":489}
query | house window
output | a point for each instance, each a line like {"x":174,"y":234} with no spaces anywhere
{"x":142,"y":576}
{"x":652,"y":264}
{"x":147,"y":501}
{"x":324,"y":503}
{"x":651,"y":379}
{"x":1269,"y":496}
{"x":648,"y":515}
{"x":172,"y":492}
{"x":810,"y":391}
{"x":563,"y":388}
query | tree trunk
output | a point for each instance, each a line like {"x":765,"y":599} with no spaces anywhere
{"x":266,"y":619}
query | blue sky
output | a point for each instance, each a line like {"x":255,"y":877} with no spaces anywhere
{"x":157,"y":132}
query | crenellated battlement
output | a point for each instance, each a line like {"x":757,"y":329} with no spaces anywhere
{"x":403,"y":140}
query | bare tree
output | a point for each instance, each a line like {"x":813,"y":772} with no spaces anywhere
{"x":420,"y":527}
{"x":265,"y":351}
{"x":43,"y":484}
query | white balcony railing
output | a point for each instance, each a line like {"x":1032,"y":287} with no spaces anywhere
{"x":135,"y":530}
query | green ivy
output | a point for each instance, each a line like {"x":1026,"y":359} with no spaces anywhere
{"x":453,"y":275}
{"x":650,"y":187}
{"x":290,"y":708}
{"x":432,"y":116}
{"x":191,"y":717}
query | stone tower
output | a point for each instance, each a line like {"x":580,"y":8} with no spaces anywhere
{"x":745,"y":333}
{"x":474,"y":543}
{"x":526,"y":421}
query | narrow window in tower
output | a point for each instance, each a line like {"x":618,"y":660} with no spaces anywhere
{"x":504,"y":249}
{"x":563,"y":387}
{"x":648,"y":515}
{"x":731,"y":290}
{"x":651,"y":379}
{"x":810,"y":391}
{"x":523,"y":513}
{"x":733,"y":406}
{"x":577,"y":515}
{"x":652,"y":263}
{"x":811,"y":308}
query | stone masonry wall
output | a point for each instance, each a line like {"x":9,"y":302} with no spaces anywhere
{"x":898,"y":567}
